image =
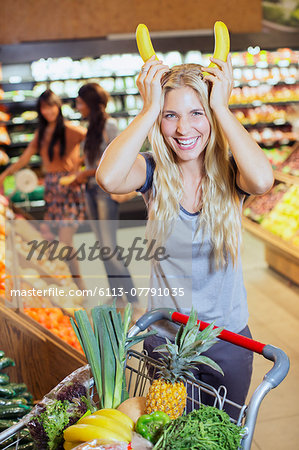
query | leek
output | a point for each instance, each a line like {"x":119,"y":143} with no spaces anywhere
{"x":105,"y":344}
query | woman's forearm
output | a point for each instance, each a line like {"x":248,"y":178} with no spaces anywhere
{"x":255,"y":174}
{"x":13,"y":168}
{"x":119,"y":157}
{"x":89,"y":173}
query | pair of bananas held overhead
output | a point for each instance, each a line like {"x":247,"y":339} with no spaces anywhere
{"x":221,"y":46}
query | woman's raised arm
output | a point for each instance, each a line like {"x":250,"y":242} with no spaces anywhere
{"x":121,"y":169}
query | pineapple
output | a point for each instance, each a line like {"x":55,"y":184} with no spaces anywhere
{"x":168,"y":393}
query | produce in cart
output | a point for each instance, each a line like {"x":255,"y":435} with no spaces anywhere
{"x":59,"y":409}
{"x":207,"y":428}
{"x":102,"y":424}
{"x":168,"y":393}
{"x":105,"y":346}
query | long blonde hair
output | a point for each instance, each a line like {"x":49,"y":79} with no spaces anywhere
{"x":220,"y":206}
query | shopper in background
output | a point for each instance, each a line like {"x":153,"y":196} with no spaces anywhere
{"x":192,"y":182}
{"x":102,"y":208}
{"x":57,"y":142}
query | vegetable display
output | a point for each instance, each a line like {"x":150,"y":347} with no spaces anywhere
{"x":15,"y":402}
{"x":207,"y":428}
{"x":105,"y":345}
{"x":168,"y":393}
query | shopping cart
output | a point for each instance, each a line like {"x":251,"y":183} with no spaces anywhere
{"x":141,"y":370}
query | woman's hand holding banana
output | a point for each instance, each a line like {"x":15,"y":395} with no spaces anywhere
{"x":221,"y":43}
{"x":221,"y":78}
{"x":220,"y":71}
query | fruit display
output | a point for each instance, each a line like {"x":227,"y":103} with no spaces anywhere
{"x":271,"y":136}
{"x":290,"y":165}
{"x":262,"y":205}
{"x":266,"y":114}
{"x":283,"y":219}
{"x":57,"y":322}
{"x":15,"y":402}
{"x":277,"y":156}
{"x":277,"y":212}
{"x":4,"y":158}
{"x":4,"y":136}
{"x":4,"y":116}
{"x":264,"y":94}
{"x":42,"y":307}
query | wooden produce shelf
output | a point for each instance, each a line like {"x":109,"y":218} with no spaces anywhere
{"x":279,"y":254}
{"x":286,"y":178}
{"x":283,"y":263}
{"x":42,"y":359}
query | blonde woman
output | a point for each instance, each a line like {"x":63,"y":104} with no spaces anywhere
{"x":203,"y":162}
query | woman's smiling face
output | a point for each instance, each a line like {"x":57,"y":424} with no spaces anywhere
{"x":184,"y":125}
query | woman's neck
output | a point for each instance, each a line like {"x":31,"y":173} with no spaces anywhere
{"x":192,"y":170}
{"x":51,"y":126}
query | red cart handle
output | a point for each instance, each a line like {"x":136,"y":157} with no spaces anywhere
{"x":225,"y":335}
{"x":173,"y":316}
{"x":278,"y":356}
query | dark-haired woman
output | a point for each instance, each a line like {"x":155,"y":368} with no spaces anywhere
{"x":102,"y":210}
{"x":57,"y":142}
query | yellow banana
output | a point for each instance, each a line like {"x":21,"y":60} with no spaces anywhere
{"x":85,"y":432}
{"x":222,"y":43}
{"x":144,"y":43}
{"x":110,"y":423}
{"x":117,"y":415}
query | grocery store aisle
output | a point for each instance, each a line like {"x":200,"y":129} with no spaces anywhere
{"x":274,"y":319}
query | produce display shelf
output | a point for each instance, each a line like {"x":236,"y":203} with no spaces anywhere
{"x":271,"y":239}
{"x":267,"y":124}
{"x":286,"y":178}
{"x":255,"y":83}
{"x":42,"y":358}
{"x":279,"y":254}
{"x":260,"y":102}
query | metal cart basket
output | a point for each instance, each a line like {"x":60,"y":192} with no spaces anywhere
{"x":140,"y":371}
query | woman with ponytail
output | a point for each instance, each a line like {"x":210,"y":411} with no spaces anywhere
{"x":203,"y":163}
{"x":102,"y":209}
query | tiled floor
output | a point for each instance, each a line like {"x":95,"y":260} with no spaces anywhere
{"x":274,"y":319}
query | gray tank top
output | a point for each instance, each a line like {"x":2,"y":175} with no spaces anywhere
{"x":187,"y":277}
